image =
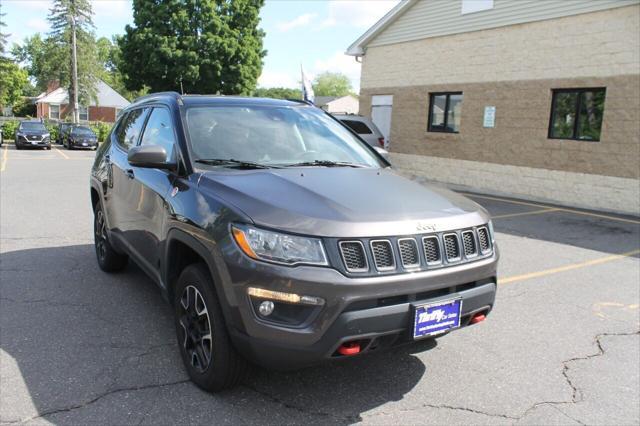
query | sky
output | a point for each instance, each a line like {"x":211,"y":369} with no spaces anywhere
{"x":314,"y":33}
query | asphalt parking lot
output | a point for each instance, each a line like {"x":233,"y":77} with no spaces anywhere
{"x":78,"y":346}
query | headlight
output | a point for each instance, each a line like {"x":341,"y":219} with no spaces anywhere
{"x":279,"y":248}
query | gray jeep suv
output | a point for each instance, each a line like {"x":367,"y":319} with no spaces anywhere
{"x":256,"y":219}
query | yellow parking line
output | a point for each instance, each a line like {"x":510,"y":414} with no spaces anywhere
{"x":502,"y":216}
{"x":565,"y":268}
{"x":65,"y":156}
{"x":5,"y":156}
{"x":524,"y":203}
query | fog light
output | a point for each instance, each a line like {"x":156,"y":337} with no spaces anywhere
{"x":266,"y":308}
{"x":284,"y":297}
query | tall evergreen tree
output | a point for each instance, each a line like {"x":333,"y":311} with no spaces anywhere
{"x":3,"y":36}
{"x":60,"y":16}
{"x":201,"y":46}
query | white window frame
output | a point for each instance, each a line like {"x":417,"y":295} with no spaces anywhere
{"x":473,"y":6}
{"x":58,"y":113}
{"x":85,"y":114}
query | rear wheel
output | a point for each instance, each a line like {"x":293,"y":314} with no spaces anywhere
{"x":109,"y":260}
{"x":207,"y":352}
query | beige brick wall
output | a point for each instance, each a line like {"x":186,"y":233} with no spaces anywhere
{"x":591,"y":45}
{"x":605,"y":193}
{"x":519,"y":138}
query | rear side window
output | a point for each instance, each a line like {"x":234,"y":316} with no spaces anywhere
{"x":358,"y":126}
{"x":130,"y":128}
{"x":159,"y":131}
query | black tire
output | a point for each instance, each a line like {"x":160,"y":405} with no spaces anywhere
{"x":225,"y":367}
{"x":109,"y":260}
{"x":18,"y":147}
{"x":48,"y":148}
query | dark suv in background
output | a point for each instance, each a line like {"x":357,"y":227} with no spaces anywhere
{"x":32,"y":134}
{"x":80,"y":137}
{"x":257,"y":219}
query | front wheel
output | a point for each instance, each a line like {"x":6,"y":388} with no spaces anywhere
{"x":207,"y":352}
{"x":109,"y":260}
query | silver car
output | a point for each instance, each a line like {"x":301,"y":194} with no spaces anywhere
{"x":365,"y":128}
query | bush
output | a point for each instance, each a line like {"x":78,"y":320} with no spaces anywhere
{"x":52,"y":128}
{"x":24,"y":108}
{"x":101,"y":130}
{"x":9,"y":129}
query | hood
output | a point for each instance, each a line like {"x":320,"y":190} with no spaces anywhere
{"x":342,"y":202}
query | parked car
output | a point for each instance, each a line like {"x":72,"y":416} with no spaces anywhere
{"x":81,"y":137}
{"x":365,"y":128}
{"x":256,"y":219}
{"x":63,"y":129}
{"x":32,"y":134}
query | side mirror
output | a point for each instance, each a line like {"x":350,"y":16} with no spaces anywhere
{"x":150,"y":156}
{"x":383,"y":152}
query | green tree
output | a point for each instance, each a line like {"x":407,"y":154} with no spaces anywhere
{"x":61,"y":16}
{"x":44,"y":59}
{"x":277,"y":93}
{"x":332,"y":84}
{"x":12,"y":81}
{"x":208,"y":46}
{"x":3,"y":36}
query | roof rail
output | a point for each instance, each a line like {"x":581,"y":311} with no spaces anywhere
{"x":174,"y":95}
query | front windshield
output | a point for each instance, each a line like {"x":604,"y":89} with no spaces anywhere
{"x":273,"y":136}
{"x":84,"y":131}
{"x":32,"y":126}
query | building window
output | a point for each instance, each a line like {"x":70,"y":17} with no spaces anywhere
{"x":54,"y":112}
{"x":445,"y":110}
{"x":83,"y":113}
{"x":577,"y":114}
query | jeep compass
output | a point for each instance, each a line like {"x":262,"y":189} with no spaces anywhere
{"x":280,"y":237}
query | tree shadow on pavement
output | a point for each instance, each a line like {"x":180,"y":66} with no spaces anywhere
{"x":81,"y":346}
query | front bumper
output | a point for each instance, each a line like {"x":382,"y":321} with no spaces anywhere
{"x":376,"y":311}
{"x":83,"y":145}
{"x":22,"y":142}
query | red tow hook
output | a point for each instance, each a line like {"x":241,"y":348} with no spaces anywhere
{"x":349,"y":348}
{"x":477,"y":318}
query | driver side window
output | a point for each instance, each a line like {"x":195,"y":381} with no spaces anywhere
{"x":159,"y":131}
{"x":130,"y":127}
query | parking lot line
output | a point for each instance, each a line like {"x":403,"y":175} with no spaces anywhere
{"x":562,"y":209}
{"x":503,"y":216}
{"x":607,"y":259}
{"x":65,"y":156}
{"x":5,"y":156}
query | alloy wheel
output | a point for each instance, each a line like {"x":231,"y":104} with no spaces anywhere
{"x":196,"y":328}
{"x":101,"y":235}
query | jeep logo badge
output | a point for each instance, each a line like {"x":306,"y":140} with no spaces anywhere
{"x":425,"y":227}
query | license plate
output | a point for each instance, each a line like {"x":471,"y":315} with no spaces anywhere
{"x":436,"y":318}
{"x":84,"y":144}
{"x":34,"y":142}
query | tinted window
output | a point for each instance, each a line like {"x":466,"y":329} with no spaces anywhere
{"x":577,"y":114}
{"x":130,"y":127}
{"x":358,"y":126}
{"x":445,"y":110}
{"x":84,"y":131}
{"x":159,"y":131}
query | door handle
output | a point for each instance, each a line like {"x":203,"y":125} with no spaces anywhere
{"x":129,"y":173}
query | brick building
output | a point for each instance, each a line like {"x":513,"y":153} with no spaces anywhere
{"x":539,"y":99}
{"x":54,"y":104}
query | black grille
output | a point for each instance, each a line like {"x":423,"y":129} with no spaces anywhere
{"x":431,"y":249}
{"x":409,"y":252}
{"x":483,"y":238}
{"x":353,"y":256}
{"x":451,"y":247}
{"x":383,"y":255}
{"x":469,"y":243}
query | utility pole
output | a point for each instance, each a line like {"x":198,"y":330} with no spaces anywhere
{"x":74,"y":60}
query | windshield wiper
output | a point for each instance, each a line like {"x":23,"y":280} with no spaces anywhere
{"x":233,"y":163}
{"x":325,"y":163}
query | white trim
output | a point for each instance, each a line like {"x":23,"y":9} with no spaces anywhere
{"x":357,"y":47}
{"x":49,"y":111}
